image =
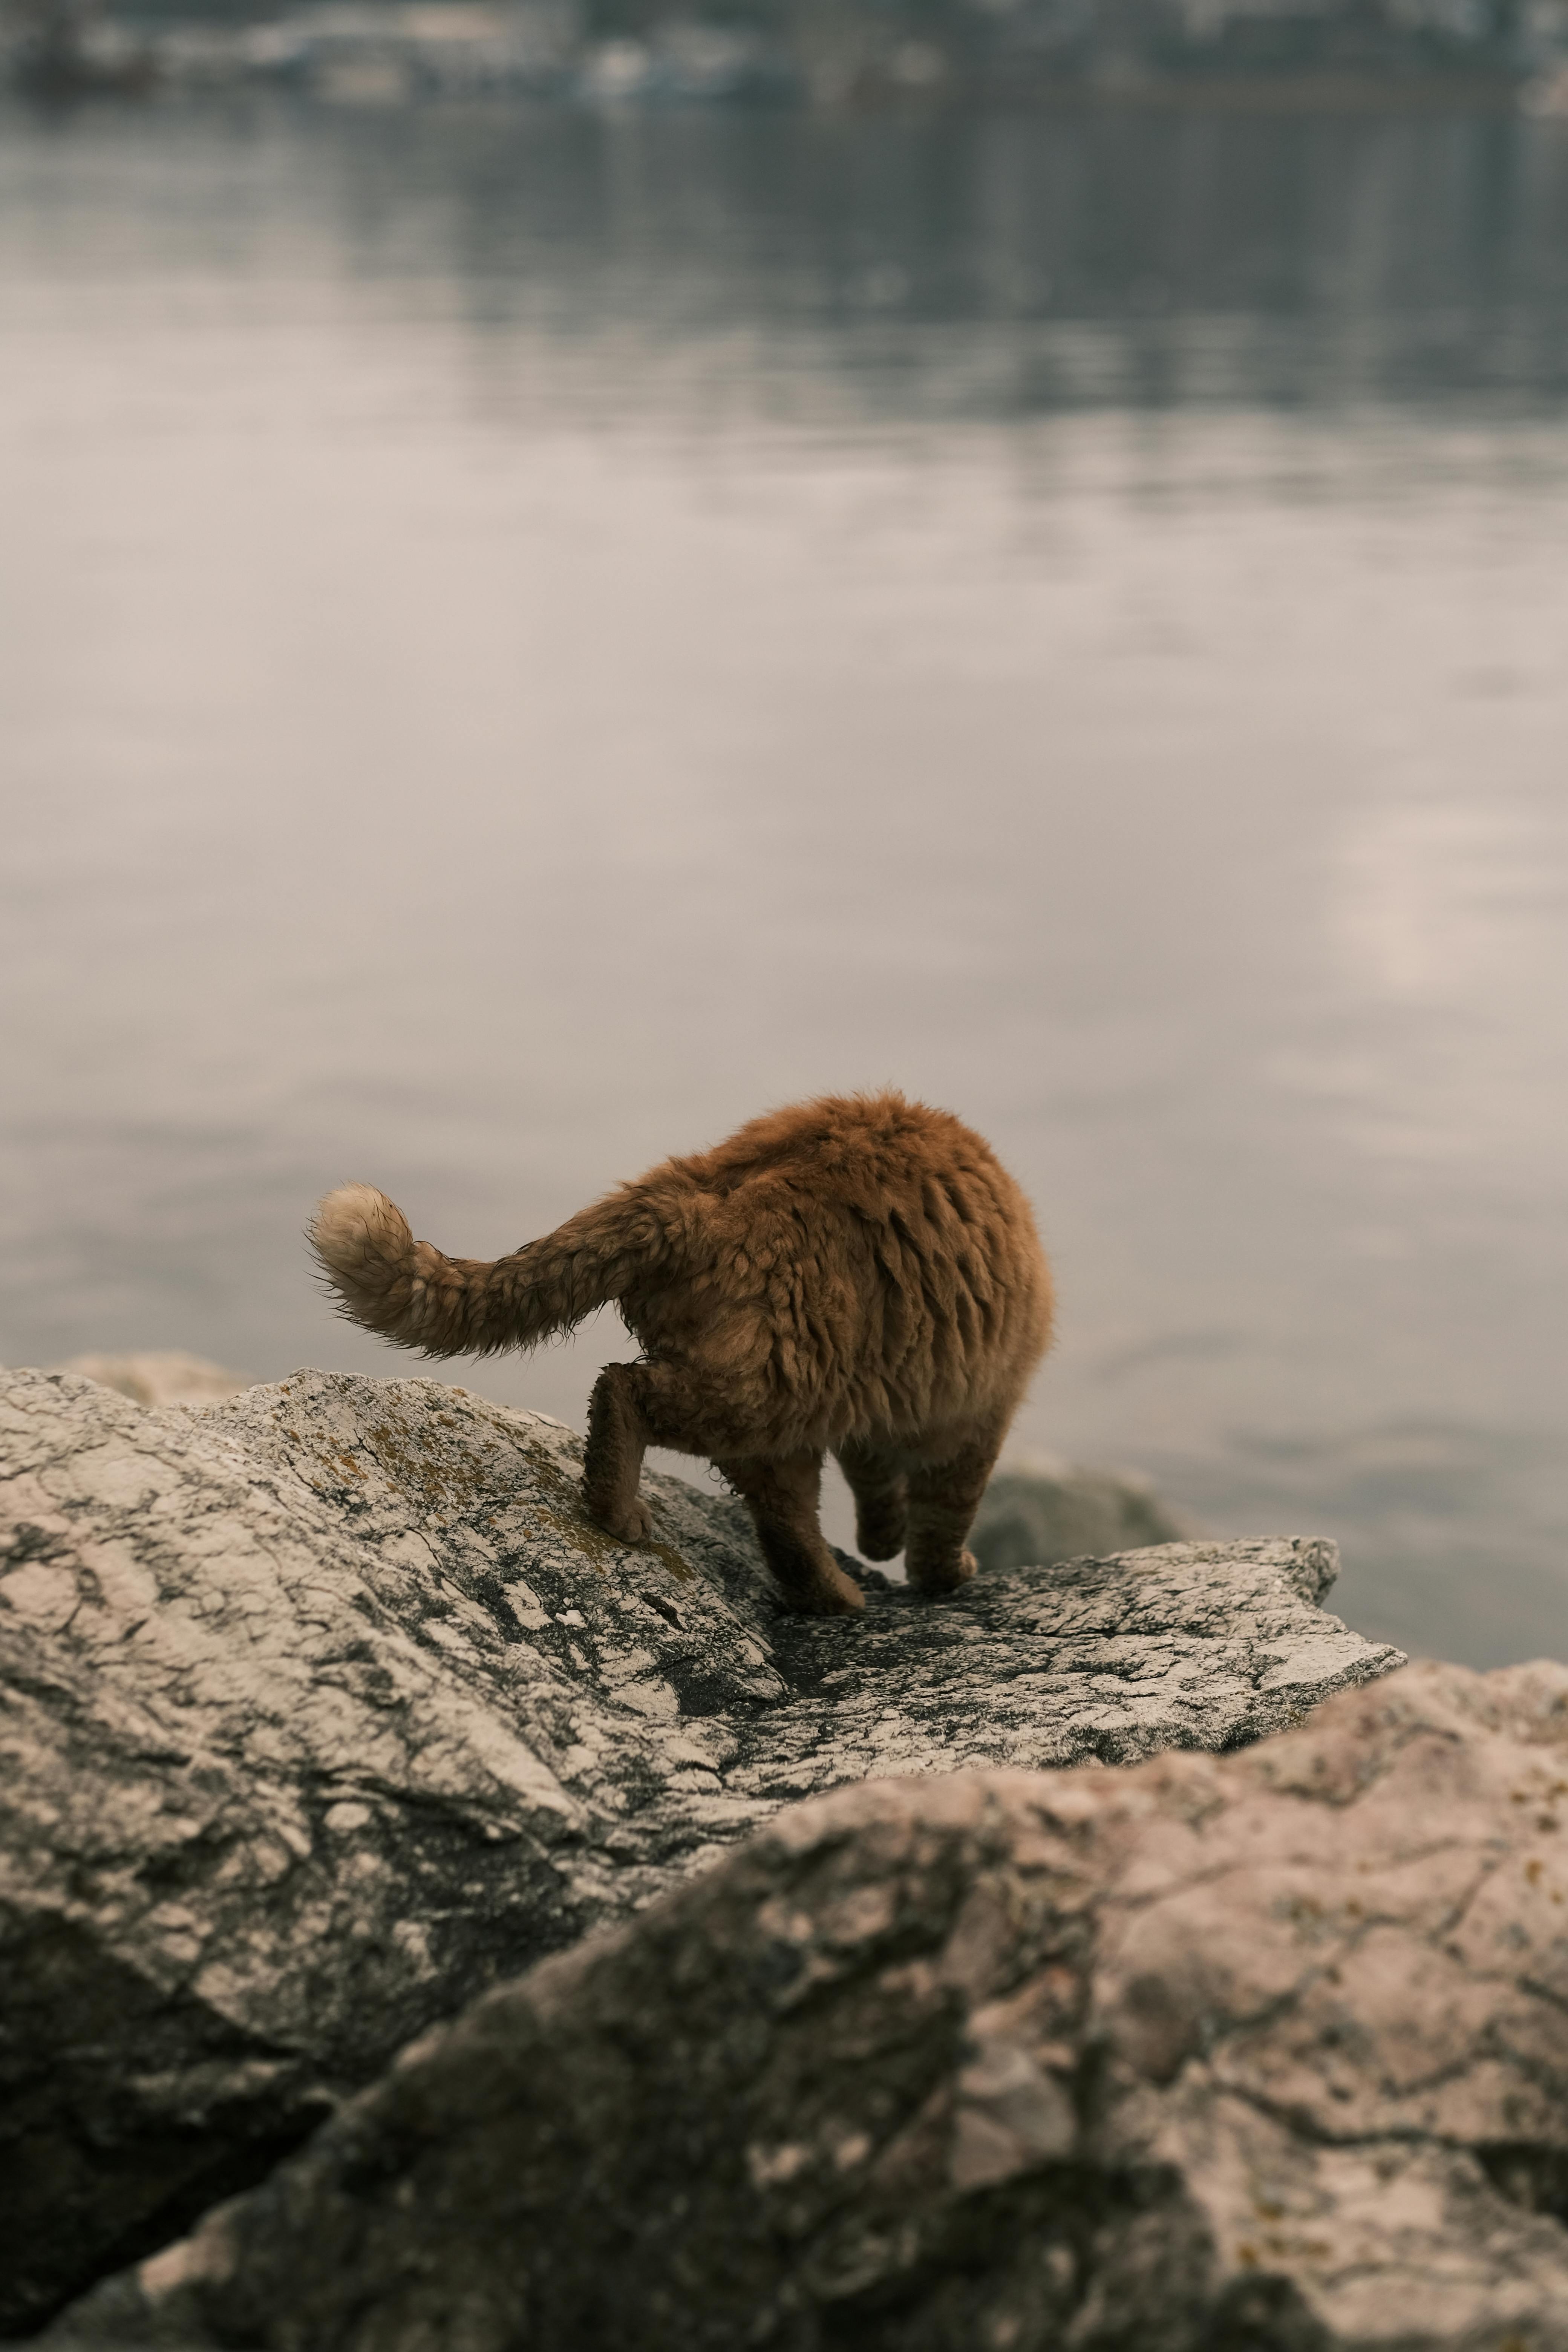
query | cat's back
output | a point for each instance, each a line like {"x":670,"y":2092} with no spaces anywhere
{"x":868,"y":1258}
{"x":876,"y":1161}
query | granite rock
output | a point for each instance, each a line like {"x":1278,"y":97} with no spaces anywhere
{"x":1266,"y":2052}
{"x":324,"y":1708}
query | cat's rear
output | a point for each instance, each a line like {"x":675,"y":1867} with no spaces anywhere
{"x":854,"y":1267}
{"x":858,"y":1274}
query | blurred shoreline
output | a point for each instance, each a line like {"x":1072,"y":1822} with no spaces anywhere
{"x":1043,"y":56}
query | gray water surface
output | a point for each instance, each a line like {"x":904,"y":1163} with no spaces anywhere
{"x":524,"y":639}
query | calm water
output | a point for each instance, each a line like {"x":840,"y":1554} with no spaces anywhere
{"x":524,"y":639}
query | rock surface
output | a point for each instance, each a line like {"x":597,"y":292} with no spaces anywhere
{"x":1031,"y":1516}
{"x":1256,"y":2054}
{"x":323,"y":1709}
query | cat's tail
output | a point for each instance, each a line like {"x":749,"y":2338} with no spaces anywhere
{"x":412,"y":1292}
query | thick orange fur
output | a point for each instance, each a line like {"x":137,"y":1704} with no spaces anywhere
{"x":857,"y":1275}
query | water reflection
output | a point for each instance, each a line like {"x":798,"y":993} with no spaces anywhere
{"x":1020,"y":265}
{"x":525,"y":638}
{"x":1438,"y":901}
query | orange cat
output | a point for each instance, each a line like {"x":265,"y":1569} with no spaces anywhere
{"x":857,"y":1274}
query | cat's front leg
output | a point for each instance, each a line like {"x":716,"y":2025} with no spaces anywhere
{"x":945,"y":1495}
{"x":881,"y":1498}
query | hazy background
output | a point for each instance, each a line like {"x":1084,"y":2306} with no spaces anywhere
{"x":526,"y":638}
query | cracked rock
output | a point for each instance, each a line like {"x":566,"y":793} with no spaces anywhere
{"x":323,"y":1708}
{"x":1266,"y":2052}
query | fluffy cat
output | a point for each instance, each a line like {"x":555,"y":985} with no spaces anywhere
{"x":857,"y":1275}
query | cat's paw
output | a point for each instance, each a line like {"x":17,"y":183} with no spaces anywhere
{"x":934,"y":1581}
{"x":834,"y":1595}
{"x":633,"y":1525}
{"x":880,"y":1534}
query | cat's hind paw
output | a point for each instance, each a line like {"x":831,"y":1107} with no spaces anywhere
{"x":633,"y":1524}
{"x":833,"y":1595}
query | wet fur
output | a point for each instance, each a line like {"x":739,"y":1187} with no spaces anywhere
{"x":857,"y":1274}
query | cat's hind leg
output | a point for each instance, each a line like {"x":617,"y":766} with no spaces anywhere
{"x":618,"y":1436}
{"x":881,"y":1494}
{"x":782,"y":1497}
{"x":945,"y":1495}
{"x":633,"y":1406}
{"x":677,"y":1404}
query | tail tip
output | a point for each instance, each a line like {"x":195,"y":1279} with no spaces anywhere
{"x":355,"y":1222}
